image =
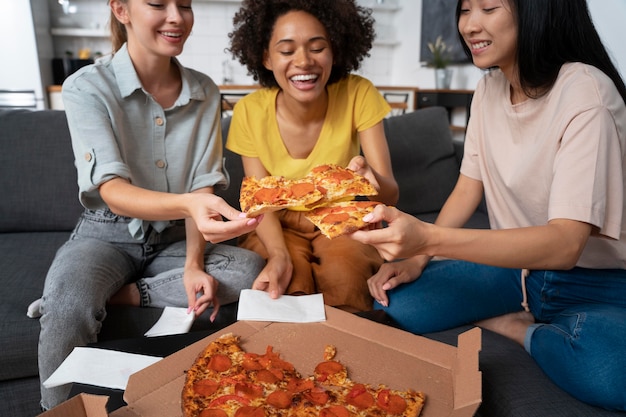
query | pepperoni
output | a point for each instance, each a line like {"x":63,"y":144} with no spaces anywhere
{"x":329,"y":367}
{"x":279,"y":399}
{"x":296,"y":385}
{"x":301,"y":189}
{"x":213,"y":412}
{"x":230,"y":397}
{"x":334,"y":218}
{"x":359,"y":397}
{"x":219,"y":363}
{"x":392,"y":403}
{"x":335,"y":411}
{"x":342,"y":175}
{"x":270,"y":377}
{"x":251,"y":362}
{"x":320,"y":168}
{"x":205,"y":387}
{"x":272,"y":360}
{"x":267,"y":195}
{"x":316,"y":396}
{"x":248,"y":390}
{"x":250,"y":411}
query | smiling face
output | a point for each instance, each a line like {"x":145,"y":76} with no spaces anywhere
{"x":490,"y":31}
{"x":299,"y":55}
{"x":157,"y":27}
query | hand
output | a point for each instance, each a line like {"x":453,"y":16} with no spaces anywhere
{"x":359,"y":165}
{"x":196,"y":282}
{"x":404,"y":237}
{"x":275,"y":276}
{"x":392,"y":274}
{"x":208,"y":211}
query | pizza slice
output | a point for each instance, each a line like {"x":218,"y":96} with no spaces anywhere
{"x":341,"y":218}
{"x":338,"y":183}
{"x":274,"y":193}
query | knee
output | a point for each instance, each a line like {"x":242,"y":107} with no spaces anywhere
{"x":68,"y":311}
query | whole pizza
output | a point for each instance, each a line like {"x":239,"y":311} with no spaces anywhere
{"x":226,"y":381}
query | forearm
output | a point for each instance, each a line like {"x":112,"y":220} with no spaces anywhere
{"x":129,"y":200}
{"x":389,"y":191}
{"x":461,"y":204}
{"x":557,"y":245}
{"x":270,"y":233}
{"x":195,"y":245}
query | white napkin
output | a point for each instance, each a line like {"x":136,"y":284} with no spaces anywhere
{"x":99,"y":367}
{"x":258,"y":306}
{"x":174,"y":320}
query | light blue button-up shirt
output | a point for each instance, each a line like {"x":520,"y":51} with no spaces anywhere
{"x":119,"y":130}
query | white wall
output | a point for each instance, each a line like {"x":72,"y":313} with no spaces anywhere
{"x":609,"y":17}
{"x":397,"y":65}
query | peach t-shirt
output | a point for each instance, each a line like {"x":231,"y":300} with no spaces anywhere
{"x":559,"y":156}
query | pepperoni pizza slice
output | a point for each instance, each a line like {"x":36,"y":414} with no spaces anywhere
{"x":274,"y":193}
{"x":338,"y":183}
{"x":342,"y":218}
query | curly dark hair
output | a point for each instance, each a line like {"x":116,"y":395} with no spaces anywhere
{"x":349,"y":26}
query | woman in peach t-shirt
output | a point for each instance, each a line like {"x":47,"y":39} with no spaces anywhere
{"x":546,"y":146}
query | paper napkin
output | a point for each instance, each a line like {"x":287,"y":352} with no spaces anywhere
{"x":174,"y":320}
{"x":258,"y":306}
{"x":99,"y":367}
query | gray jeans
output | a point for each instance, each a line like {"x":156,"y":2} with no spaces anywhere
{"x":99,"y":258}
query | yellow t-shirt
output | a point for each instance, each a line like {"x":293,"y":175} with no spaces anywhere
{"x":354,"y":105}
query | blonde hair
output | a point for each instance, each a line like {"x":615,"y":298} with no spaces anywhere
{"x":118,"y":30}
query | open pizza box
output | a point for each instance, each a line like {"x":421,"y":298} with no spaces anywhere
{"x":373,"y":353}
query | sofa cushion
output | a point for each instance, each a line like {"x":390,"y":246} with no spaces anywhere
{"x":24,"y":263}
{"x":423,"y":157}
{"x":37,"y":174}
{"x":233,"y":167}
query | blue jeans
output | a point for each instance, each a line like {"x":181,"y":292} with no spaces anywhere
{"x":99,"y":258}
{"x":579,"y":339}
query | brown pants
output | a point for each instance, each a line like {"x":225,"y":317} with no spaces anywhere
{"x":338,"y":268}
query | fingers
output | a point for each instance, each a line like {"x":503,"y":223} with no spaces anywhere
{"x":220,"y":231}
{"x":216,"y":309}
{"x":357,"y":163}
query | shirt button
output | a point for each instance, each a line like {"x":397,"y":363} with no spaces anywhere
{"x":88,"y":157}
{"x":160,"y":163}
{"x":159,"y":121}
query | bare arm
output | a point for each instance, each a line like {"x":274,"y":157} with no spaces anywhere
{"x":458,"y":208}
{"x":205,"y":208}
{"x":378,"y":160}
{"x":556,"y":245}
{"x":276,"y":275}
{"x":195,"y":277}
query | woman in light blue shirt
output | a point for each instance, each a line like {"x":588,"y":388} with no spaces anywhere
{"x":148,"y":149}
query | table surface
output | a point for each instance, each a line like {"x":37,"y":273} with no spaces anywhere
{"x":166,"y":345}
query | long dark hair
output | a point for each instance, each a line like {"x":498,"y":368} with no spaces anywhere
{"x":550,"y":34}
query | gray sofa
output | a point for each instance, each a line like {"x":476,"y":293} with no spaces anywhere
{"x":39,"y":208}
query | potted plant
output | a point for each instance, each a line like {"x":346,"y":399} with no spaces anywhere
{"x":440,"y":58}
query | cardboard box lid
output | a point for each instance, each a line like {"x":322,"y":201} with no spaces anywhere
{"x":82,"y":405}
{"x":373,"y":353}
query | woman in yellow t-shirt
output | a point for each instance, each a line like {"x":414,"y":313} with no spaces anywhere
{"x":310,"y":111}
